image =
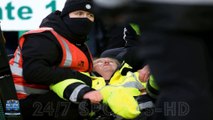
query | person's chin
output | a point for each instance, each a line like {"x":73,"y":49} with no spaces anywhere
{"x":106,"y":68}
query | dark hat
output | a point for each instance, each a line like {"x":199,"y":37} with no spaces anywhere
{"x":73,"y":5}
{"x":116,"y":53}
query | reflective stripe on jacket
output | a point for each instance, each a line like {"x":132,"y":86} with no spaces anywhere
{"x":69,"y":60}
{"x":65,"y":90}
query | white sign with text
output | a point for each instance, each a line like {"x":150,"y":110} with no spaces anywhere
{"x":16,"y":15}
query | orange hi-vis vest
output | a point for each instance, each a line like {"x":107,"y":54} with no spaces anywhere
{"x":72,"y":58}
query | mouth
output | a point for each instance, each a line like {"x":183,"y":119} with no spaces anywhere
{"x":106,"y":65}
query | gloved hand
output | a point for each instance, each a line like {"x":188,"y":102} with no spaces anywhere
{"x":131,"y":35}
{"x":132,"y":58}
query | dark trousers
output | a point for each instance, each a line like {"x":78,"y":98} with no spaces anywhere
{"x":175,"y":43}
{"x":48,"y":107}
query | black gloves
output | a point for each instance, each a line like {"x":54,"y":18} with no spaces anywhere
{"x":132,"y":46}
{"x":130,"y":35}
{"x":128,"y":52}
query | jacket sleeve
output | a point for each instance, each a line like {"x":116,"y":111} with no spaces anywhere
{"x":152,"y":88}
{"x":71,"y":89}
{"x":121,"y":101}
{"x":41,"y":53}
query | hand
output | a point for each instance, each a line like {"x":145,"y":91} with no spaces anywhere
{"x":94,"y":96}
{"x":130,"y":35}
{"x":144,"y":74}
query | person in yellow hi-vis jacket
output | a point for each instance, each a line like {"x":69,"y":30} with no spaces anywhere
{"x":117,"y":85}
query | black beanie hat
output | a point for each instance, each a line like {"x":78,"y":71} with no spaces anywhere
{"x":73,"y":5}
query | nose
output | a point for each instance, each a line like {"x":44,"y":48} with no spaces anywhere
{"x":85,"y":15}
{"x":106,"y":61}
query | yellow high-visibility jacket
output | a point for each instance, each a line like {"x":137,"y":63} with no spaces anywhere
{"x":118,"y":94}
{"x":120,"y":91}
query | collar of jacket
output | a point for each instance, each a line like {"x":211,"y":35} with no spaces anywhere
{"x":122,"y":70}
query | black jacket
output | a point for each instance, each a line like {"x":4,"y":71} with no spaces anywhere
{"x":42,"y":54}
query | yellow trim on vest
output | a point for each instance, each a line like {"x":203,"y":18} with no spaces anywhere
{"x":85,"y":73}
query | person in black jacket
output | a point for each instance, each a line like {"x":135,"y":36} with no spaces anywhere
{"x":176,"y":45}
{"x":53,"y":53}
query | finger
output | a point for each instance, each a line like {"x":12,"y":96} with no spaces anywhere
{"x":142,"y":77}
{"x":146,"y":77}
